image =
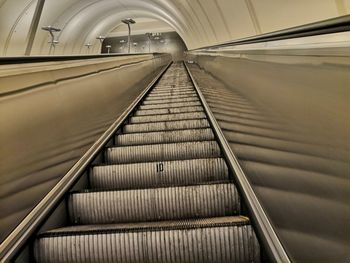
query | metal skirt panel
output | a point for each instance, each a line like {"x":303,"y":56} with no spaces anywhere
{"x":162,"y":152}
{"x":154,"y":204}
{"x":143,"y":175}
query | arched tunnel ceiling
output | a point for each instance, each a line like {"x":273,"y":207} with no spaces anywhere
{"x":198,"y":22}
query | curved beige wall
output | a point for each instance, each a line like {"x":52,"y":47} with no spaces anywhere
{"x":51,"y":113}
{"x":198,"y":22}
{"x":286,"y":117}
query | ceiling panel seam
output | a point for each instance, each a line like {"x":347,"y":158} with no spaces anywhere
{"x":253,"y":16}
{"x":207,"y":17}
{"x":12,"y":30}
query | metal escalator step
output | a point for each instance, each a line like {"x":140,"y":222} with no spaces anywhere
{"x":174,"y":100}
{"x":160,"y":91}
{"x":168,"y":117}
{"x":154,"y":204}
{"x":162,"y":152}
{"x":153,"y":174}
{"x":225,"y":239}
{"x":173,"y":88}
{"x":166,"y":93}
{"x":169,"y":111}
{"x":166,"y":81}
{"x":164,"y":137}
{"x":160,"y":97}
{"x":170,"y":105}
{"x":166,"y":126}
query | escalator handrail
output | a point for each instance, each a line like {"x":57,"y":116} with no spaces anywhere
{"x":329,"y":26}
{"x":40,"y":59}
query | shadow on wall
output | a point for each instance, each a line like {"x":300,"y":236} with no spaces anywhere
{"x":288,"y":124}
{"x":169,"y":42}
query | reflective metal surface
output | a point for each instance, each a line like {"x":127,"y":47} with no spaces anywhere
{"x":48,"y":120}
{"x":287,"y":120}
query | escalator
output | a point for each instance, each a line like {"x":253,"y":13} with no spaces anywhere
{"x":163,"y":192}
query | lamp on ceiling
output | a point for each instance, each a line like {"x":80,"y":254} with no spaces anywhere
{"x":51,"y":30}
{"x":128,"y":21}
{"x":101,"y":38}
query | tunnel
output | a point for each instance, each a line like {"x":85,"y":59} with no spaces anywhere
{"x":175,"y":131}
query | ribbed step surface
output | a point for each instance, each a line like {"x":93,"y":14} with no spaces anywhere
{"x":167,"y":173}
{"x":169,"y":93}
{"x":140,"y":205}
{"x":173,"y":100}
{"x":166,"y":126}
{"x":169,"y":111}
{"x":168,"y":117}
{"x":170,"y":105}
{"x":169,"y":97}
{"x":163,"y":152}
{"x":164,"y":137}
{"x":160,"y":91}
{"x":225,"y":239}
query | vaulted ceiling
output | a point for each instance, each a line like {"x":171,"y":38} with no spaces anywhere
{"x":198,"y":22}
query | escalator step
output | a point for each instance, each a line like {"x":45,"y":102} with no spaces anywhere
{"x":164,"y":137}
{"x":160,"y":97}
{"x":168,"y":117}
{"x":162,"y":152}
{"x":175,"y":100}
{"x":152,"y":204}
{"x":160,"y":90}
{"x":170,"y":105}
{"x":168,"y":111}
{"x":169,"y":93}
{"x":225,"y":239}
{"x":166,"y":126}
{"x":153,"y":174}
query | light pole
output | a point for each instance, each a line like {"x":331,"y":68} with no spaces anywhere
{"x":101,"y":38}
{"x":51,"y":30}
{"x":128,"y":21}
{"x":108,"y":48}
{"x":149,"y":41}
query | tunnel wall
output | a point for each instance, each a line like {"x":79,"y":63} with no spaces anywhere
{"x":199,"y":23}
{"x":51,"y":113}
{"x":286,"y":117}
